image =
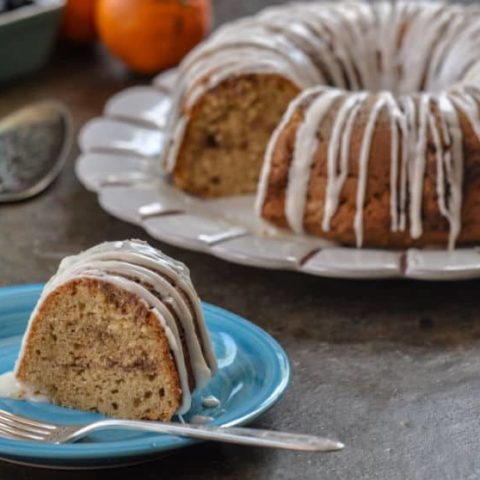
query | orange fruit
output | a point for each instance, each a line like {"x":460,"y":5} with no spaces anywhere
{"x":78,"y":23}
{"x":151,"y":35}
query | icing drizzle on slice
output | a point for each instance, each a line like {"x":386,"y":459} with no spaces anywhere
{"x":163,"y":285}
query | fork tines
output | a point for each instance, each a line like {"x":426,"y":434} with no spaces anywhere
{"x":20,"y":428}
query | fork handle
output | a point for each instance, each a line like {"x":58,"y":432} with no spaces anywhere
{"x":241,"y":436}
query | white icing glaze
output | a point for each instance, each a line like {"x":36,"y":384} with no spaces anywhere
{"x":306,"y":145}
{"x":363,"y":166}
{"x":419,"y":61}
{"x":342,"y":127}
{"x":139,"y":269}
{"x":10,"y":387}
{"x":454,"y":167}
{"x":267,"y":164}
{"x":418,"y":169}
{"x":396,"y":122}
{"x":200,"y":419}
{"x":210,"y":402}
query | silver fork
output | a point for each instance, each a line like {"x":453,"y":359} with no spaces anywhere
{"x":16,"y":427}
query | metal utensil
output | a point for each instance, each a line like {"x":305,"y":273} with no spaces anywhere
{"x":34,"y":144}
{"x":22,"y":428}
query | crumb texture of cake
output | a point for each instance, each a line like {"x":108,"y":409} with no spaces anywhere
{"x":360,"y":119}
{"x":225,"y":143}
{"x":119,"y":330}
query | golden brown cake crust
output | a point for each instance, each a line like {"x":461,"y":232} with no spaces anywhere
{"x":95,"y":346}
{"x":376,"y":213}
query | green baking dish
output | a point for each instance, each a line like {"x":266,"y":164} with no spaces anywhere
{"x":27,"y":36}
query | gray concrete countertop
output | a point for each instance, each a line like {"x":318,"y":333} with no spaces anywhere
{"x":391,"y":368}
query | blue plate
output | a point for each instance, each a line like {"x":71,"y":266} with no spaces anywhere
{"x":253,"y":374}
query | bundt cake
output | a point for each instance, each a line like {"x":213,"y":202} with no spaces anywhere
{"x":358,"y":121}
{"x":118,"y":329}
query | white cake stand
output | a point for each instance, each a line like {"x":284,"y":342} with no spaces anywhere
{"x":120,"y":162}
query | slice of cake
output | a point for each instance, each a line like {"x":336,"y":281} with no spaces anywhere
{"x":118,"y":329}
